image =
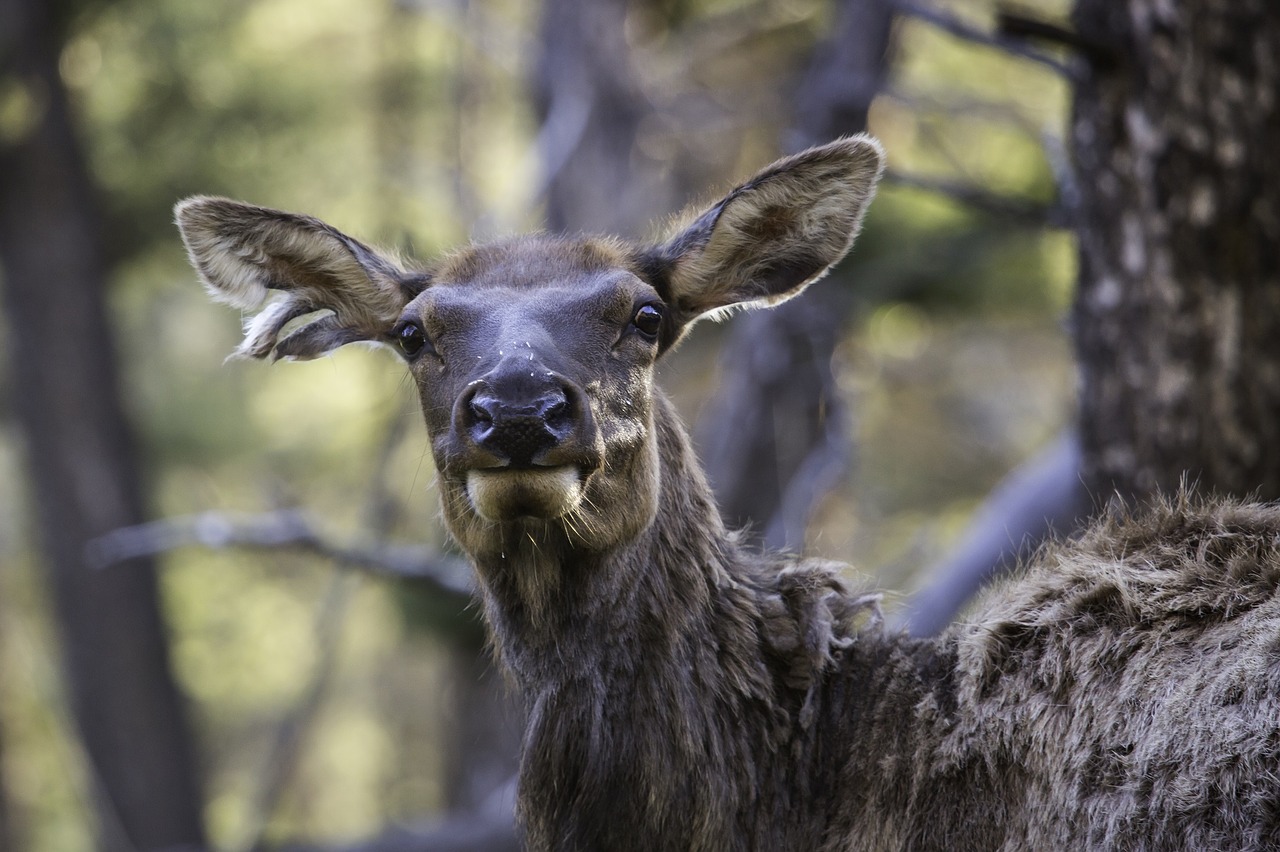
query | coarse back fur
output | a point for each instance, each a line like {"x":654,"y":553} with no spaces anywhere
{"x":688,"y":693}
{"x":1120,"y":693}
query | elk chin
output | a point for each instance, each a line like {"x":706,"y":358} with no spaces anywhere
{"x":505,"y":494}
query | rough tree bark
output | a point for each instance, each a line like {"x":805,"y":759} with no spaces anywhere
{"x":787,"y":444}
{"x":80,"y":458}
{"x":1177,"y":316}
{"x":1177,"y":312}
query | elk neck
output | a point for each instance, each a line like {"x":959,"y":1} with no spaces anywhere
{"x":675,"y":683}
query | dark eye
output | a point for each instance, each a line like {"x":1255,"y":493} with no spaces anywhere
{"x":648,"y":320}
{"x":410,"y":338}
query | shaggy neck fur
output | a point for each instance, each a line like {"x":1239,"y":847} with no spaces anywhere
{"x":675,"y":686}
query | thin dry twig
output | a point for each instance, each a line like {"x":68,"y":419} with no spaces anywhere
{"x":284,"y":529}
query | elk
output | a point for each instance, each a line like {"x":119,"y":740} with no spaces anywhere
{"x":686,"y":692}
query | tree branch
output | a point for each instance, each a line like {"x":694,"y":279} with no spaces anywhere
{"x":1019,"y":25}
{"x":962,"y":30}
{"x":286,"y":529}
{"x":1023,"y":209}
{"x":1041,"y":498}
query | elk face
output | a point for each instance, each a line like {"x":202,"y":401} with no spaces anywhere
{"x":534,"y":364}
{"x":534,"y":357}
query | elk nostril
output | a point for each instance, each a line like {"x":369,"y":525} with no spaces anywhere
{"x":558,"y":413}
{"x":479,"y":413}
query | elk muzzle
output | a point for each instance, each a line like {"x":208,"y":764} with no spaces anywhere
{"x":529,"y":442}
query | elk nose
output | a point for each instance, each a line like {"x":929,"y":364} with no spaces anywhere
{"x":517,"y":427}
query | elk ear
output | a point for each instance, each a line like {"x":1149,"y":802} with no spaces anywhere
{"x":766,"y":240}
{"x":348,"y":291}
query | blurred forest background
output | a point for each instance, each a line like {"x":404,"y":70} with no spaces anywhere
{"x":325,"y":707}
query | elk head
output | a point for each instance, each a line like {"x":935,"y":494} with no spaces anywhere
{"x":534,"y":357}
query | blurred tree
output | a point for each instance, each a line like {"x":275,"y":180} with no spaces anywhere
{"x":1177,"y":311}
{"x":789,"y":442}
{"x":1177,"y":317}
{"x":591,"y":107}
{"x":80,"y":452}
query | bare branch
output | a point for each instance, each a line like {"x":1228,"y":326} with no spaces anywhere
{"x":1025,"y":210}
{"x":1019,"y":25}
{"x":962,"y":30}
{"x":954,"y":105}
{"x":1061,"y":214}
{"x":286,"y":529}
{"x":1041,"y":498}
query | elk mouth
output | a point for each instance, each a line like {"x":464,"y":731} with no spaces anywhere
{"x":509,"y":493}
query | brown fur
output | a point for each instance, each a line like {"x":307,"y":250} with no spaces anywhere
{"x":687,"y":693}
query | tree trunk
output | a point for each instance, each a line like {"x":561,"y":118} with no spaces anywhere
{"x":1177,"y":317}
{"x":775,"y":439}
{"x":80,"y":459}
{"x":1177,"y":314}
{"x":592,"y":110}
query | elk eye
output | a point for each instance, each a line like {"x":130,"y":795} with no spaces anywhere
{"x":410,"y":338}
{"x":648,"y":320}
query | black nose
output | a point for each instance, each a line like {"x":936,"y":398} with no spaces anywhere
{"x":517,"y":424}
